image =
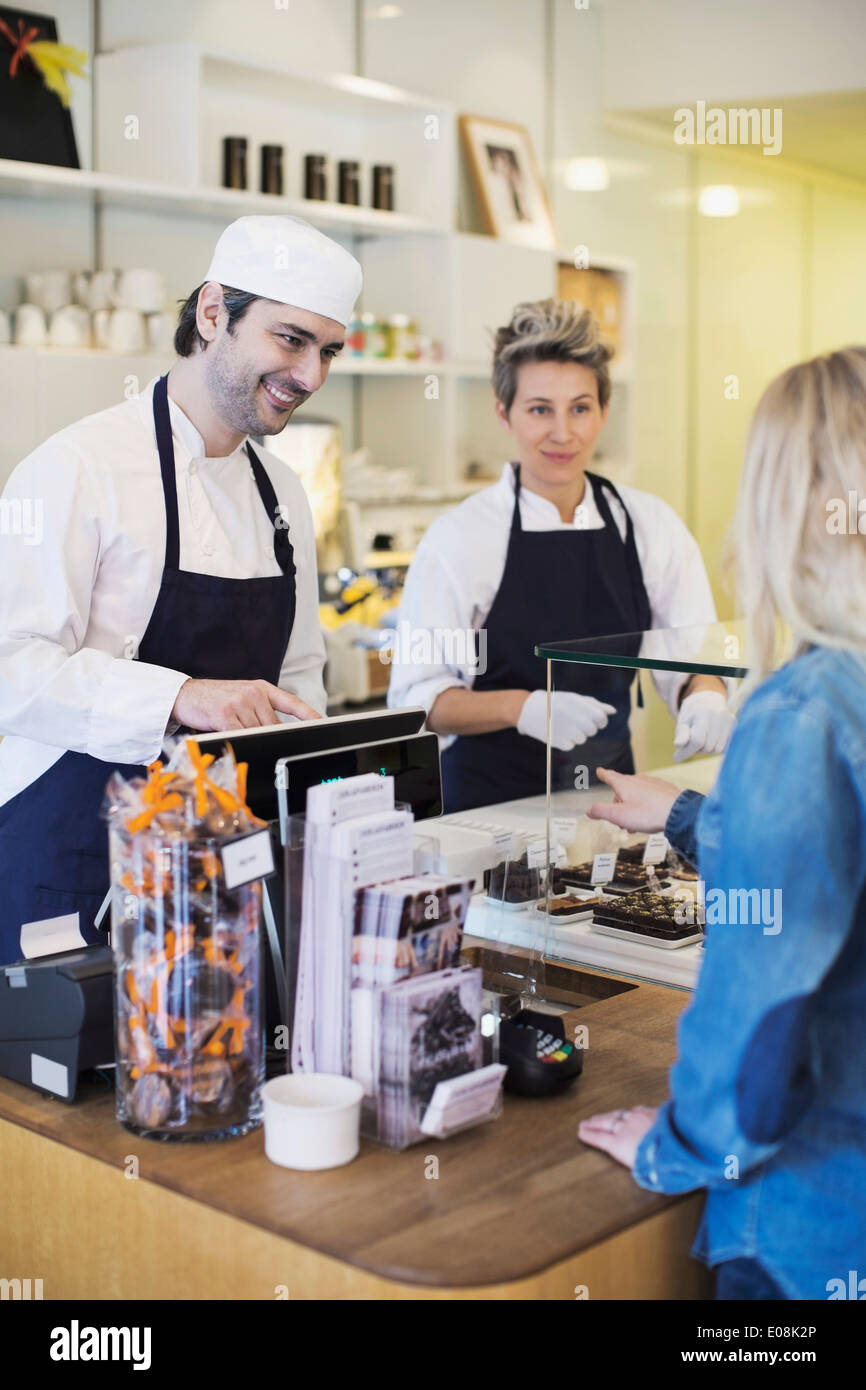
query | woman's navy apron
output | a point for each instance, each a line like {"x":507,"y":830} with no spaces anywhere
{"x":556,"y":586}
{"x":53,"y":844}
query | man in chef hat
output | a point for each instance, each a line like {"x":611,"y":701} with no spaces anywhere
{"x":176,"y":583}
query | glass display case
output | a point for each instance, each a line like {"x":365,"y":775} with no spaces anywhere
{"x":617,"y":900}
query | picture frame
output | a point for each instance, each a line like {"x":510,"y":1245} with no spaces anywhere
{"x":507,"y":179}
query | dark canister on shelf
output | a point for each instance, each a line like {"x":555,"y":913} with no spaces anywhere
{"x":349,"y":182}
{"x":235,"y":161}
{"x":315,"y":176}
{"x":272,"y":169}
{"x":383,"y":187}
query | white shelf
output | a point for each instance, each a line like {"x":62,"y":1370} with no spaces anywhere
{"x":345,"y":93}
{"x":346,"y":365}
{"x":342,"y":366}
{"x":113,"y":190}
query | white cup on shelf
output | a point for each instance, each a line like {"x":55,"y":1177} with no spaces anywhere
{"x":101,"y":325}
{"x":5,"y":327}
{"x":102,"y":290}
{"x":160,"y":332}
{"x":30,"y":326}
{"x":69,"y":327}
{"x":312,"y":1120}
{"x":126,"y":331}
{"x":143,"y":290}
{"x":49,"y":289}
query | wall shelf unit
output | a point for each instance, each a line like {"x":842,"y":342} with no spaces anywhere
{"x":155,"y":199}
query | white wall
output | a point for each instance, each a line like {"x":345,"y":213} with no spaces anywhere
{"x":664,"y":52}
{"x":487,"y":57}
{"x":317,"y":37}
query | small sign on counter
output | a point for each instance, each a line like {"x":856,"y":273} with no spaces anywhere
{"x":603,"y":866}
{"x":246,"y":858}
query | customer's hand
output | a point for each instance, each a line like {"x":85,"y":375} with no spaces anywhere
{"x":642,"y":802}
{"x":704,"y":725}
{"x":574,"y":718}
{"x":619,"y":1132}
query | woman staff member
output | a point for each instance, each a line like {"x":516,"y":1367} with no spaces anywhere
{"x":768,"y":1097}
{"x":550,"y":552}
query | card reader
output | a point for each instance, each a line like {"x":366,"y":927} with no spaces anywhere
{"x":56,"y":1019}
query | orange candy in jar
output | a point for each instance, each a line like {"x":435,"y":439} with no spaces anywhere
{"x":190,"y":1054}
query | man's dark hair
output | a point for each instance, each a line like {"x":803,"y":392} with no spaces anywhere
{"x":187,"y":338}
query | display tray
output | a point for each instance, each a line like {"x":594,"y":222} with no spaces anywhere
{"x":647,"y":917}
{"x":666,"y":944}
{"x":511,"y":907}
{"x":628,"y":878}
{"x":581,"y":912}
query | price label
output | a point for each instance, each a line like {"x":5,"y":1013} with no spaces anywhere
{"x":536,"y":853}
{"x":502,"y":842}
{"x":656,"y":848}
{"x":603,"y":867}
{"x":247,"y":858}
{"x":563,"y":829}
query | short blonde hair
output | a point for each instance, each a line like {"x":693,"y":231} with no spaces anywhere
{"x":549,"y":330}
{"x":801,"y":581}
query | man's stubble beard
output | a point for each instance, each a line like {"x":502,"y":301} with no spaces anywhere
{"x":234,"y":394}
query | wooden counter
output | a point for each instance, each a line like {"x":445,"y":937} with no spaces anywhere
{"x":520,"y":1208}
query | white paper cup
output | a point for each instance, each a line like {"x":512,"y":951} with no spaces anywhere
{"x":312,"y":1120}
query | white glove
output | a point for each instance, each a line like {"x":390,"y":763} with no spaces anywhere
{"x":574,"y":718}
{"x":704,"y":724}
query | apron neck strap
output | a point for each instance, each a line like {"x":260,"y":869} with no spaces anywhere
{"x":165,"y":446}
{"x":280,"y":523}
{"x":515,"y":515}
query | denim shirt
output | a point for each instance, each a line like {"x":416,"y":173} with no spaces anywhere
{"x":767,"y":1107}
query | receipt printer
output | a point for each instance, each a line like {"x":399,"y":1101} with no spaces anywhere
{"x":56,"y":1018}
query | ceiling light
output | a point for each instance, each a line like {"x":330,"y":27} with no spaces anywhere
{"x":719,"y":200}
{"x":586,"y":175}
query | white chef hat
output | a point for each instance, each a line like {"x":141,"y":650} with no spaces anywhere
{"x":287,"y":259}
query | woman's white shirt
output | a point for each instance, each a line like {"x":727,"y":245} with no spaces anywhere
{"x":459,"y":564}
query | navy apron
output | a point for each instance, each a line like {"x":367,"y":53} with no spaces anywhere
{"x":556,"y":586}
{"x":53,"y":844}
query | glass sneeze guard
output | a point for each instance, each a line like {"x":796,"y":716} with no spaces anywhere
{"x":713,"y":649}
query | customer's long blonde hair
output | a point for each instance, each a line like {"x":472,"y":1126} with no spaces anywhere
{"x":796,"y":567}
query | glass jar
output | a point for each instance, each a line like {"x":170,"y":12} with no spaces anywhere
{"x":188,"y":1032}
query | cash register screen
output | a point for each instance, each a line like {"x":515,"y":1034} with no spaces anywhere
{"x":333,"y":745}
{"x":412,"y":762}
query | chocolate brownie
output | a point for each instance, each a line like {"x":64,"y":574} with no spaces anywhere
{"x":624,"y":875}
{"x":516,"y":878}
{"x":567,"y":907}
{"x":647,"y":913}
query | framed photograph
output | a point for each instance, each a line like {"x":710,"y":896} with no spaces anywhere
{"x":508,"y":181}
